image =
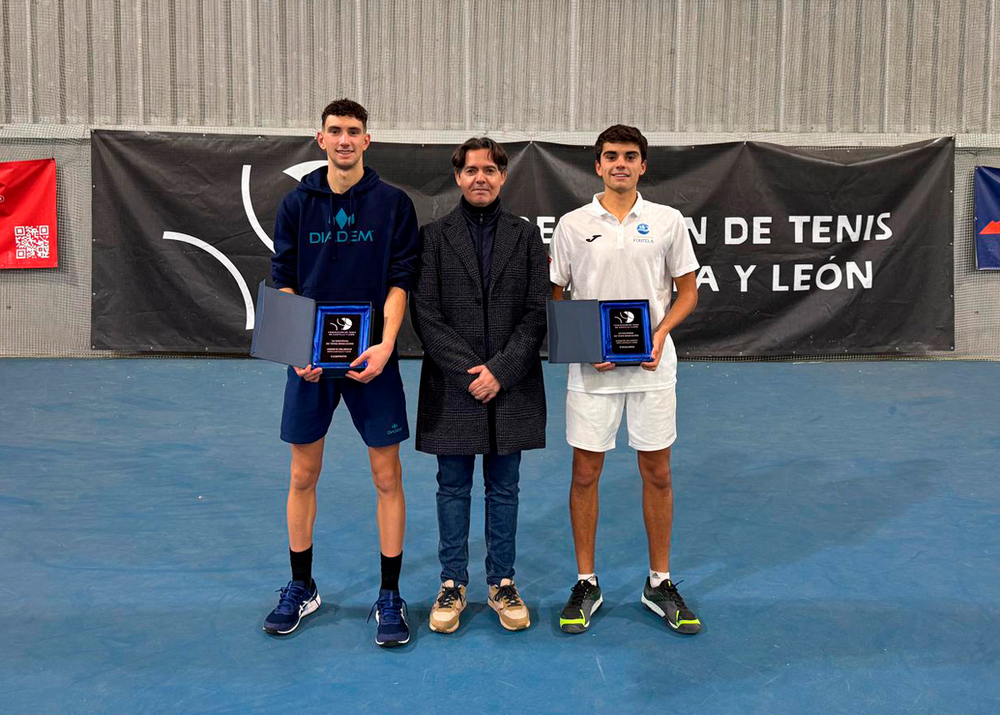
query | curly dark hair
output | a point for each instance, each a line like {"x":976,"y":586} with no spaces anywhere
{"x":620,"y":134}
{"x":345,"y":108}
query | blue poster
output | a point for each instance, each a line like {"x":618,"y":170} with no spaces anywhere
{"x":987,"y":220}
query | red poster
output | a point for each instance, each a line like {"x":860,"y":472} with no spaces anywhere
{"x":28,"y":214}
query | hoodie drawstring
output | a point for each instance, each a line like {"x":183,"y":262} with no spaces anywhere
{"x":329,"y":223}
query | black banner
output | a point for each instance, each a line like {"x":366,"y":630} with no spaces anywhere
{"x":807,"y":252}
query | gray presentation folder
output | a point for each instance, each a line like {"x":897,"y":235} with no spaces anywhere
{"x":574,"y":331}
{"x":284,"y":327}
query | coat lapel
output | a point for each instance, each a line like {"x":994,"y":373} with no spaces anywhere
{"x":503,"y":245}
{"x":457,"y":234}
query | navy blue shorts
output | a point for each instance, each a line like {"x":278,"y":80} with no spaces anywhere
{"x":378,"y":408}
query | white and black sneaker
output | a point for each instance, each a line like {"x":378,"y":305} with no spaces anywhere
{"x":583,"y":601}
{"x":295,"y":603}
{"x":666,"y":602}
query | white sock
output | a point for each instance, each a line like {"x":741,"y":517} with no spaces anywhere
{"x":587,"y":577}
{"x":656,"y":577}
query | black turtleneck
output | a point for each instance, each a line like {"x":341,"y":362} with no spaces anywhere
{"x":482,"y":223}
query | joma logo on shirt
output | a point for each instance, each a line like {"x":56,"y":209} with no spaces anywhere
{"x":342,"y":236}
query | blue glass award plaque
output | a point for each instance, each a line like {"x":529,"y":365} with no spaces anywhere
{"x":294,"y":330}
{"x":343,"y":331}
{"x":626,"y":333}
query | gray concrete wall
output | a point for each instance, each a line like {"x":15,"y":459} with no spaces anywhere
{"x":838,"y":66}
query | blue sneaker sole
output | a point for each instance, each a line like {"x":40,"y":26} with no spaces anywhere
{"x":309,"y":607}
{"x":391,"y":644}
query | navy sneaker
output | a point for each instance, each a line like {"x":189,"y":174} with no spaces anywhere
{"x":295,"y":603}
{"x":390,"y":615}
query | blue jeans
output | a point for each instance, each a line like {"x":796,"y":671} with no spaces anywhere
{"x":454,"y":500}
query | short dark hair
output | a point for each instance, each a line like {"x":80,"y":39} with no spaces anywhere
{"x":345,"y":108}
{"x":497,"y":153}
{"x":620,"y":134}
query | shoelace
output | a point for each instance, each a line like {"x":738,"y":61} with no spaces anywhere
{"x":290,"y":598}
{"x":508,"y":594}
{"x":579,"y":593}
{"x":670,"y":591}
{"x":390,"y":610}
{"x":448,"y":596}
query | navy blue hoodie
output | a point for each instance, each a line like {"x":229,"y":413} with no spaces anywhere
{"x":351,"y":246}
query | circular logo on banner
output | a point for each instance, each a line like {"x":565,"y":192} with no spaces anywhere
{"x":642,"y":228}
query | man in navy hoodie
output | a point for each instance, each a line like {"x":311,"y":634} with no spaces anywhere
{"x":344,"y":235}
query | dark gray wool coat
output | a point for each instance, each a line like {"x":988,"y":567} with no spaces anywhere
{"x":447,"y":307}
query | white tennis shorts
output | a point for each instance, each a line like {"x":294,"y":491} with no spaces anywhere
{"x":592,"y":420}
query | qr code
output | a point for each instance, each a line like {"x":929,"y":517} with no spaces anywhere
{"x":31,"y":242}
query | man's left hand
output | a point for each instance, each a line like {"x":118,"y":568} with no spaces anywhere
{"x":377,"y":356}
{"x":485,"y":387}
{"x":659,"y":340}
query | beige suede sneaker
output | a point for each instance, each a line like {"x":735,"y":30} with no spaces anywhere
{"x":447,"y":607}
{"x":506,"y":601}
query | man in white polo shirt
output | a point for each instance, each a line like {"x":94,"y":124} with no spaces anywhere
{"x":620,"y":247}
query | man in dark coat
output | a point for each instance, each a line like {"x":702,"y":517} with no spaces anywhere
{"x":478,"y":305}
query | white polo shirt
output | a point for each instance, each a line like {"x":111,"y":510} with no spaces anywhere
{"x":600,"y":258}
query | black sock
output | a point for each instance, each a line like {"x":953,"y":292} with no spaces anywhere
{"x":302,"y":563}
{"x":390,"y":571}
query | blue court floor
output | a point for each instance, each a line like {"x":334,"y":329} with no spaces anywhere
{"x":837,"y":530}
